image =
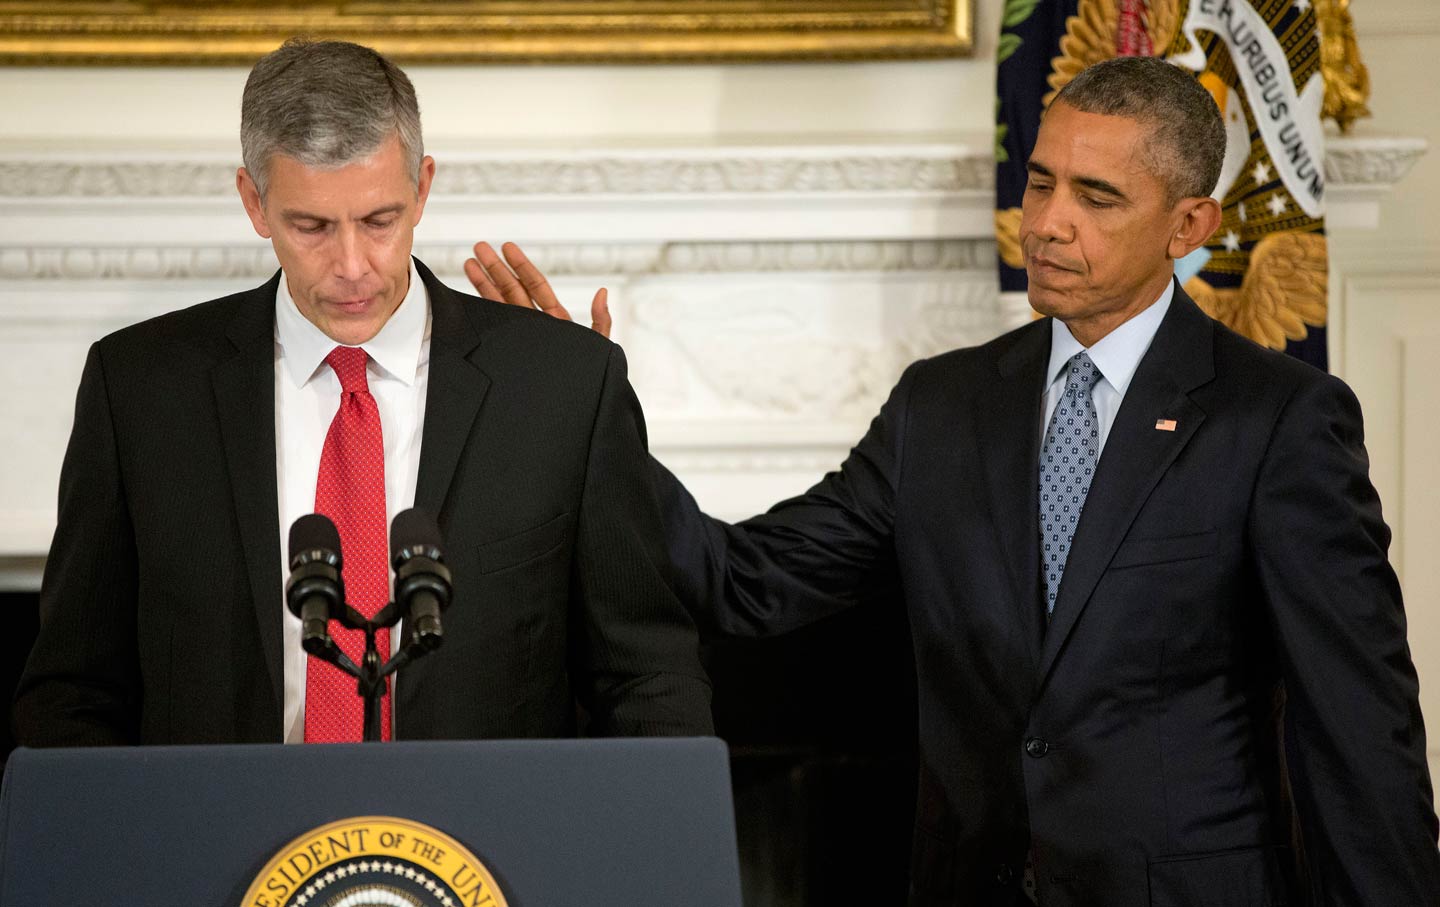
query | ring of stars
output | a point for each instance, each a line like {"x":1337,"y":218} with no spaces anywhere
{"x":316,"y":889}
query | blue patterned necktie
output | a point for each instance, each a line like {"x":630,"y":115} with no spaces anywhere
{"x":1067,"y":463}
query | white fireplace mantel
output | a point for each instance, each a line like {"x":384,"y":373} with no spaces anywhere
{"x":767,"y":296}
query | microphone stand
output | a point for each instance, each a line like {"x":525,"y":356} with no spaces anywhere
{"x":371,"y":674}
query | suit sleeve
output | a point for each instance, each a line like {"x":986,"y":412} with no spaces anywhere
{"x":635,"y":648}
{"x":81,"y":684}
{"x":1354,"y":739}
{"x":808,"y":557}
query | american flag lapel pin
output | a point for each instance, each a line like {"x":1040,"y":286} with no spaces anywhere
{"x":1164,"y":424}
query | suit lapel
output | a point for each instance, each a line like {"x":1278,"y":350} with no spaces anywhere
{"x":244,"y":386}
{"x":1135,"y":457}
{"x":1010,"y":457}
{"x":456,"y":389}
{"x":453,"y":397}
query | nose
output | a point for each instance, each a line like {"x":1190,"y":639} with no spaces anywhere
{"x":1053,"y":220}
{"x":351,"y":264}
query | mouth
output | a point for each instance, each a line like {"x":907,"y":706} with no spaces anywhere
{"x":1049,"y":265}
{"x":1040,"y":261}
{"x":352,"y":306}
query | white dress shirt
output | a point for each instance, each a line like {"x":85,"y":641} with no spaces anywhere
{"x":1116,"y":356}
{"x":307,"y":396}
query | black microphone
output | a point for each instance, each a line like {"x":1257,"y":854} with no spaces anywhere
{"x":422,"y":581}
{"x":315,"y":592}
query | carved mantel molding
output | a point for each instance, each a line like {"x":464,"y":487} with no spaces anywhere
{"x":156,"y":214}
{"x":726,"y":171}
{"x":840,"y":265}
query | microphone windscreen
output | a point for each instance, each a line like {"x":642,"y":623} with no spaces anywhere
{"x":413,"y":530}
{"x":311,"y":532}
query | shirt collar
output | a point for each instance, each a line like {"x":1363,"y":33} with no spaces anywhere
{"x":1116,"y":355}
{"x":396,"y":349}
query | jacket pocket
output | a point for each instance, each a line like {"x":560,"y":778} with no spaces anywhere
{"x":1136,"y":552}
{"x":1232,"y":878}
{"x":523,"y":546}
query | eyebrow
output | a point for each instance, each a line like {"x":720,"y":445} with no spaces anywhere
{"x":1089,"y":182}
{"x":291,"y":214}
{"x":1099,"y":185}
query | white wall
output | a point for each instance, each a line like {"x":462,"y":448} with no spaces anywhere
{"x":1385,"y":289}
{"x":467,"y":107}
{"x":1400,"y":40}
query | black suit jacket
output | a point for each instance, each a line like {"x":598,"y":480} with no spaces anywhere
{"x":1131,"y":741}
{"x":161,"y":604}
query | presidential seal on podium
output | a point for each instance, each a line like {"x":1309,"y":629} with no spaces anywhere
{"x":374,"y":861}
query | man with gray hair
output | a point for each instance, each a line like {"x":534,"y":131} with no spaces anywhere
{"x":356,"y":385}
{"x":1120,"y":533}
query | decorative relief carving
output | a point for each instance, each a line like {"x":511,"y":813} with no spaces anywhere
{"x":753,"y":351}
{"x":949,"y":315}
{"x":787,"y":349}
{"x":768,"y":174}
{"x":137,"y":263}
{"x":1371,"y":162}
{"x":176,"y":178}
{"x":940,"y":168}
{"x":946,"y":170}
{"x":559,"y":259}
{"x":556,"y":260}
{"x":914,"y":255}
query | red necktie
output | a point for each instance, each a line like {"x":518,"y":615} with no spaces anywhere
{"x":351,"y":492}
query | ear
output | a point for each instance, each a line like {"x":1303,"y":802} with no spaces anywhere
{"x":1198,"y":218}
{"x":422,"y":185}
{"x":250,"y":198}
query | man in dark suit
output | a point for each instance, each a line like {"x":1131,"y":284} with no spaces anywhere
{"x":1100,"y":640}
{"x":201,"y":435}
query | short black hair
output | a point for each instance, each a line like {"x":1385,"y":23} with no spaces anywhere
{"x":1189,"y":133}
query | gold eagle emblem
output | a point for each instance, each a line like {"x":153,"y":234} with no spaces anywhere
{"x":1283,"y":292}
{"x":1007,"y":237}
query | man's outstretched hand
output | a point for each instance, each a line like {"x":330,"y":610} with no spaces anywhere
{"x":516,"y":281}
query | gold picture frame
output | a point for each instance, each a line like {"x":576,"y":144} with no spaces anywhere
{"x":486,"y":31}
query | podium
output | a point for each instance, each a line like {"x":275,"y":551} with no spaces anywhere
{"x":551,"y":823}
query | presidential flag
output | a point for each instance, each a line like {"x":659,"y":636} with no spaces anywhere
{"x":1030,"y":36}
{"x":1264,"y":272}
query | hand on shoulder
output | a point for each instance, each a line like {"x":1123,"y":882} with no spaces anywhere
{"x":514,"y":280}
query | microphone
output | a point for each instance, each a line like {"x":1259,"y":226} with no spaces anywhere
{"x":315,"y":591}
{"x":422,"y":581}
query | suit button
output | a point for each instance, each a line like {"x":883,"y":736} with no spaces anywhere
{"x":1036,"y":748}
{"x":1005,"y":875}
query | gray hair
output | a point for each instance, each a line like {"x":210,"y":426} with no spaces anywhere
{"x":1188,"y":133}
{"x":326,"y":104}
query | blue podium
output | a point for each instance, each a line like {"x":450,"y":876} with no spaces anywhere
{"x":480,"y":824}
